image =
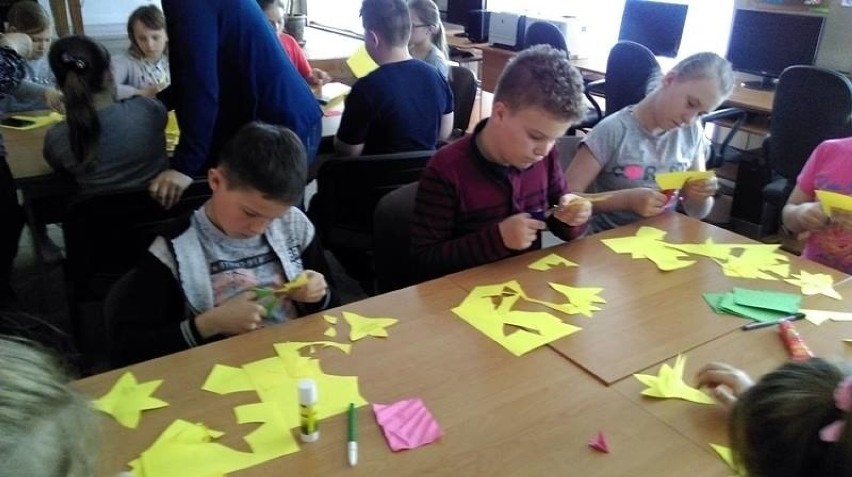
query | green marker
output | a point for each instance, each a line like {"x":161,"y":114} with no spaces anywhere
{"x":352,"y":446}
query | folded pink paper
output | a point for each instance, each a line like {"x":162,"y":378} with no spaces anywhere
{"x":407,"y":424}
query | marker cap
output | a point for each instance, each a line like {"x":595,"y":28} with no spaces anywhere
{"x":307,"y":392}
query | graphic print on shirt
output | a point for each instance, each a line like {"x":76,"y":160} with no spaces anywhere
{"x":232,"y":277}
{"x":834,"y":244}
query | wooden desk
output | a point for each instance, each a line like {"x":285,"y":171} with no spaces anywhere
{"x":24,"y":152}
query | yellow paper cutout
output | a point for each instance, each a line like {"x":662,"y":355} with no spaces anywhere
{"x":534,"y":328}
{"x":669,"y":384}
{"x":676,"y":180}
{"x":648,"y":243}
{"x":550,"y":261}
{"x":726,"y":455}
{"x":709,"y":249}
{"x":819,"y":317}
{"x":35,"y":121}
{"x":128,"y":398}
{"x":361,"y":326}
{"x":833,"y":201}
{"x":227,"y":379}
{"x":332,"y":320}
{"x":330,"y":332}
{"x":361,"y":63}
{"x":299,"y":282}
{"x":815,"y":284}
{"x":172,"y":132}
{"x":580,"y":300}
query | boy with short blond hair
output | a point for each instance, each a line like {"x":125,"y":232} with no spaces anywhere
{"x":489,"y":195}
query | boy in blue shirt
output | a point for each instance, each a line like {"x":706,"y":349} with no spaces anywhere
{"x":403,"y":105}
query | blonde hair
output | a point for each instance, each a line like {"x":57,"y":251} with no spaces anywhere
{"x":46,"y":428}
{"x":429,"y":14}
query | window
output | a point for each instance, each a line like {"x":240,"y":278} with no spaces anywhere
{"x":337,"y":14}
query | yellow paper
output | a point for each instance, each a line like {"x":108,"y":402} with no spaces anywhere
{"x":128,"y":398}
{"x":709,"y":249}
{"x":172,"y":132}
{"x":36,"y":121}
{"x":648,"y":243}
{"x":330,"y":332}
{"x":227,"y":379}
{"x":533,"y":329}
{"x":580,"y":300}
{"x":833,"y":201}
{"x":361,"y":326}
{"x":361,"y":63}
{"x":550,"y":261}
{"x":819,"y":317}
{"x":815,"y":284}
{"x":332,"y":320}
{"x":676,"y":180}
{"x":299,"y":282}
{"x":726,"y":455}
{"x":669,"y":384}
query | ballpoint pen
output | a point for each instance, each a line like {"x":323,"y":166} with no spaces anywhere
{"x":763,"y":324}
{"x":352,"y":445}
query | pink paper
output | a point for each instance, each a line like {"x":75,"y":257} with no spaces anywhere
{"x":407,"y":424}
{"x":599,"y":443}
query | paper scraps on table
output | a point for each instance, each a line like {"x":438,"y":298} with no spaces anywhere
{"x":128,"y":398}
{"x":550,"y":261}
{"x":362,"y":326}
{"x":599,"y":443}
{"x":815,"y":284}
{"x":489,"y":309}
{"x":676,"y":180}
{"x":819,"y":317}
{"x":407,"y":424}
{"x":726,"y":455}
{"x":669,"y":384}
{"x":361,"y":63}
{"x":758,"y":305}
{"x":648,"y":243}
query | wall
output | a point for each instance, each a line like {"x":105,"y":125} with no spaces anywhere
{"x":109,"y":12}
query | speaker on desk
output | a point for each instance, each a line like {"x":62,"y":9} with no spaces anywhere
{"x":477,"y":25}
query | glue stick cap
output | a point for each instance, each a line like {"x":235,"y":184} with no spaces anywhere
{"x":307,"y":392}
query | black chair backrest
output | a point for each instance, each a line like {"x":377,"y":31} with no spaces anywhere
{"x":544,"y":33}
{"x":107,"y":233}
{"x":463,"y":85}
{"x":348,"y":190}
{"x":392,"y":239}
{"x":811,"y":104}
{"x":629,"y":68}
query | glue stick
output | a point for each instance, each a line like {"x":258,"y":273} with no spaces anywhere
{"x":793,"y":341}
{"x":308,"y":426}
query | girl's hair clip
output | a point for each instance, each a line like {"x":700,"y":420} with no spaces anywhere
{"x":76,"y":63}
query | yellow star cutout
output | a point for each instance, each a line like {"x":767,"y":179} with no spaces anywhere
{"x":668,"y":384}
{"x":128,"y":398}
{"x":815,"y":284}
{"x":360,"y":326}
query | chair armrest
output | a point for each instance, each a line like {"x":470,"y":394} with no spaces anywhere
{"x":596,"y":86}
{"x":738,"y":116}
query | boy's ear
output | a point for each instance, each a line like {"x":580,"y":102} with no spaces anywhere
{"x":499,"y":110}
{"x":371,"y":38}
{"x":215,"y":178}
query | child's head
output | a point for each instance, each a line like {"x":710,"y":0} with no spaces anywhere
{"x":29,"y":17}
{"x":146,"y":28}
{"x":82,"y":69}
{"x":426,"y":25}
{"x":261,"y":173}
{"x":387,"y":24}
{"x":274,"y":11}
{"x":696,"y":85}
{"x":775,"y":426}
{"x":47,"y":429}
{"x":538,"y":97}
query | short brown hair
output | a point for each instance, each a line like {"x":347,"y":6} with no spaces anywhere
{"x":27,"y":16}
{"x":541,"y":76}
{"x":151,"y":17}
{"x":389,"y":19}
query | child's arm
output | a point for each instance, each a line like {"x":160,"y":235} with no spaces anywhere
{"x":726,"y":382}
{"x":803,"y":214}
{"x":236,"y":316}
{"x":446,"y":126}
{"x":312,"y":291}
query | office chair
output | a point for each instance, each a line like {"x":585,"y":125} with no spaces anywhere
{"x":463,"y":84}
{"x":348,"y":190}
{"x":543,"y":33}
{"x":811,"y":105}
{"x":392,"y":239}
{"x":107,"y":233}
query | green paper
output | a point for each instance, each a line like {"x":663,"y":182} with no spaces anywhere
{"x":787,"y":303}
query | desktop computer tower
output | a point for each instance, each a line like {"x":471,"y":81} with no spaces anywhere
{"x":477,"y":25}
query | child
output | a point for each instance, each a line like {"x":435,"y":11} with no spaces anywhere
{"x":48,"y":429}
{"x":144,"y":70}
{"x":104,"y":144}
{"x":405,"y":104}
{"x":829,"y":240}
{"x":206,"y":277}
{"x":488,"y":195}
{"x":274,"y":12}
{"x":795,"y":422}
{"x":620,"y":156}
{"x":428,"y":41}
{"x":37,"y":91}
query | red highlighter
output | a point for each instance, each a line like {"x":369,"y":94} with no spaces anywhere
{"x":793,"y":341}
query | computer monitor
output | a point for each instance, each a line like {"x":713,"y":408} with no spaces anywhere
{"x":458,"y":11}
{"x":656,"y":25}
{"x":764,"y":43}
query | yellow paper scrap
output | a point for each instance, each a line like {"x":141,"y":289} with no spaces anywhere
{"x":709,"y":248}
{"x":831,"y":201}
{"x":227,"y":379}
{"x":547,"y":262}
{"x":330,"y":332}
{"x":819,"y":317}
{"x":815,"y":284}
{"x":669,"y":384}
{"x":128,"y":398}
{"x":361,"y":326}
{"x":332,"y":320}
{"x":726,"y":455}
{"x":530,"y":329}
{"x":299,"y":282}
{"x":648,"y":243}
{"x":361,"y":63}
{"x":759,"y":261}
{"x":580,"y":300}
{"x":676,"y":180}
{"x":34,"y":121}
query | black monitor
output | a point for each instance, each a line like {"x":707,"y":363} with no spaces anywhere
{"x":764,"y":43}
{"x":458,"y":10}
{"x":656,"y":25}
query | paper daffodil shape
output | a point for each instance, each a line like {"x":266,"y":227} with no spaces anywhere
{"x":360,"y":326}
{"x":815,"y":284}
{"x":668,"y":384}
{"x":128,"y":398}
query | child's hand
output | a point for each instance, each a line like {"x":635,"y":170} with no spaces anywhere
{"x":811,"y":217}
{"x":238,"y":315}
{"x":149,"y":91}
{"x":573,"y":210}
{"x":319,"y":77}
{"x":168,"y":186}
{"x":726,"y":382}
{"x":55,"y":100}
{"x":700,"y":189}
{"x":646,"y":202}
{"x":520,"y":231}
{"x":311,"y":292}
